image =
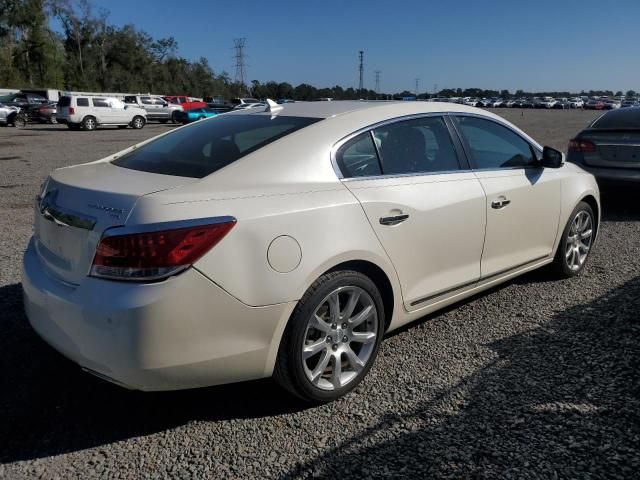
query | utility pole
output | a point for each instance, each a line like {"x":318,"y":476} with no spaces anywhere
{"x":361,"y":68}
{"x":435,"y":89}
{"x":417,"y":87}
{"x":378,"y":72}
{"x":239,"y":47}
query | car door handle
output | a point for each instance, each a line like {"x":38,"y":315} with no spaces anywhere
{"x":500,"y":203}
{"x":395,"y":220}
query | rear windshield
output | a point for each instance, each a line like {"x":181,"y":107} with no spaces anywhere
{"x":623,"y":119}
{"x":205,"y":147}
{"x":64,"y":101}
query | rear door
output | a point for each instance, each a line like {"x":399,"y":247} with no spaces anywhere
{"x":522,"y":198}
{"x":102,"y":110}
{"x":424,"y":204}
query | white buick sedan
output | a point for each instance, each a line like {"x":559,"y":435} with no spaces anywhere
{"x":286,"y":241}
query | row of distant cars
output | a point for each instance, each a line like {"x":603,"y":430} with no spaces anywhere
{"x":87,"y":112}
{"x":588,"y":103}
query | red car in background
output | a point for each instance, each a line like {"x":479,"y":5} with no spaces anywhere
{"x":186,"y":102}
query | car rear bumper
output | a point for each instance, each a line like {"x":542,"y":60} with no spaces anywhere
{"x":183,"y":332}
{"x":614,"y":175}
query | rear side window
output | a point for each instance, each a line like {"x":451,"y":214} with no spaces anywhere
{"x":64,"y":102}
{"x":422,"y":145}
{"x":205,"y":147}
{"x":100,"y":102}
{"x":495,"y":146}
{"x":82,"y":102}
{"x":358,"y":157}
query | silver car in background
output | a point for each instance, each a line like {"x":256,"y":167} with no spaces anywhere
{"x":156,"y":107}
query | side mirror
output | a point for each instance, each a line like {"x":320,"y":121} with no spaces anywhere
{"x":552,"y":158}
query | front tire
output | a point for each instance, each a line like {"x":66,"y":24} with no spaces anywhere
{"x":576,"y":242}
{"x":332,"y":338}
{"x":138,"y":122}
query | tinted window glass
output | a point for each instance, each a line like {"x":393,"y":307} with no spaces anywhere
{"x":205,"y":147}
{"x":64,"y":101}
{"x":495,"y":146}
{"x":82,"y":102}
{"x":130,"y":100}
{"x":100,"y":102}
{"x":422,"y":145}
{"x":146,"y":100}
{"x":358,"y":157}
{"x":624,"y":119}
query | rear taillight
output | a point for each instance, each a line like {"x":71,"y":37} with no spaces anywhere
{"x":71,"y":111}
{"x":577,"y":145}
{"x":157,"y":254}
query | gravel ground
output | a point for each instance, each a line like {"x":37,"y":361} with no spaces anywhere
{"x":535,"y":379}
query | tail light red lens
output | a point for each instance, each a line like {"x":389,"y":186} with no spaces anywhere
{"x":155,"y":255}
{"x":72,"y":110}
{"x":576,"y":145}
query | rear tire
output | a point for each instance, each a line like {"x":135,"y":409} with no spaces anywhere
{"x":174,"y":117}
{"x":89,"y":123}
{"x":338,"y":321}
{"x":576,"y":242}
{"x":53,"y":120}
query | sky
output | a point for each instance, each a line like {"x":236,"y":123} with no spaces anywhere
{"x":531,"y":45}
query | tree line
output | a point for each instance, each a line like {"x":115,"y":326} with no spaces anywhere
{"x":90,"y":54}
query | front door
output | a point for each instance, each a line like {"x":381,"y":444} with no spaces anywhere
{"x":523,"y":198}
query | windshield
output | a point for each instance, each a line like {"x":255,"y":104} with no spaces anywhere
{"x":205,"y":147}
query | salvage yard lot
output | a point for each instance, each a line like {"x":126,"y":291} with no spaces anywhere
{"x":536,"y":378}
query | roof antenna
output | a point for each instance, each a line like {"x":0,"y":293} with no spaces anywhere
{"x":273,"y":107}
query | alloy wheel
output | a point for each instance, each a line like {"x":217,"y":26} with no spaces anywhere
{"x":579,"y":240}
{"x":340,"y":338}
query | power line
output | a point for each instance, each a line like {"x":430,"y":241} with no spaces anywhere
{"x":378,"y":72}
{"x":239,"y":47}
{"x":361,"y":68}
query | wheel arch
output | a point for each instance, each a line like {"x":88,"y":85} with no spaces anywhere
{"x":379,"y":278}
{"x":593,"y":203}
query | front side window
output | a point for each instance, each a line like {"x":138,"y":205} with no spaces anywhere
{"x":422,"y":145}
{"x":146,"y":100}
{"x":358,"y":157}
{"x":205,"y":147}
{"x":493,"y":146}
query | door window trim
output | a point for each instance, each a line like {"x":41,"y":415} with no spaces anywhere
{"x":462,"y":159}
{"x":535,"y":150}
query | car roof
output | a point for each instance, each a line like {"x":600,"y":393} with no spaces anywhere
{"x":342,"y":107}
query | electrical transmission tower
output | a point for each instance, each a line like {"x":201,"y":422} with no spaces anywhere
{"x":239,"y":46}
{"x":378,"y":72}
{"x":361,"y":68}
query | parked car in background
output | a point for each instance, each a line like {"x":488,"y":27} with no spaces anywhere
{"x":157,"y":108}
{"x":576,"y":102}
{"x":562,"y":104}
{"x":185,"y":102}
{"x":611,"y":104}
{"x":630,"y":103}
{"x":594,"y":104}
{"x":498,"y":103}
{"x":7,"y":114}
{"x":244,"y":101}
{"x":609,"y":147}
{"x":210,"y":254}
{"x":472,"y":101}
{"x":46,"y":113}
{"x":246,"y":106}
{"x":88,"y":113}
{"x":195,"y":114}
{"x":547,"y":102}
{"x":24,"y":100}
{"x":511,"y":103}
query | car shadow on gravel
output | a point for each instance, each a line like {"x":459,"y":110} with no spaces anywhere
{"x":49,"y":406}
{"x":621,"y":205}
{"x":559,"y":401}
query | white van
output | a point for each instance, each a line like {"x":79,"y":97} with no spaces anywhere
{"x":87,"y":113}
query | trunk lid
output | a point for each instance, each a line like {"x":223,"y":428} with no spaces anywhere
{"x":79,"y":204}
{"x":619,"y":149}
